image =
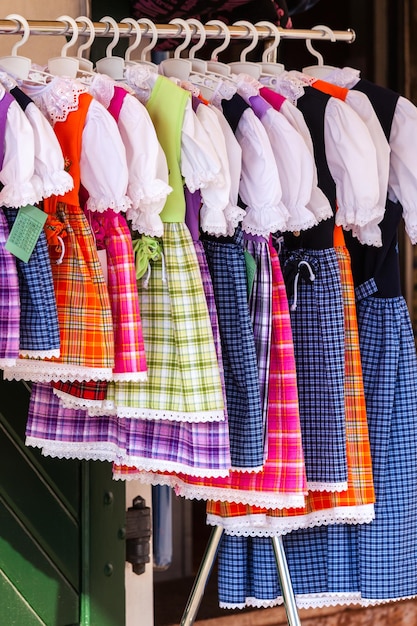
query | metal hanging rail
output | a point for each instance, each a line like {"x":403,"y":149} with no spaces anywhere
{"x":40,"y":27}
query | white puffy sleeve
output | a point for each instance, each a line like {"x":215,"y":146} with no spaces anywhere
{"x":403,"y":174}
{"x":233,"y":212}
{"x":215,"y":197}
{"x":318,"y":203}
{"x":148,"y":186}
{"x":17,"y":173}
{"x":103,"y":165}
{"x":351,"y":156}
{"x":200,"y":164}
{"x":295,"y":168}
{"x":260,"y":187}
{"x":49,"y":160}
{"x":370,"y":234}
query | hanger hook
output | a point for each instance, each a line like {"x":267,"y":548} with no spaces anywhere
{"x":324,"y":29}
{"x":116,"y":33}
{"x":227,"y":37}
{"x":255,"y":37}
{"x":75,"y":30}
{"x":22,"y":22}
{"x":199,"y":28}
{"x":85,"y":46}
{"x":149,"y":26}
{"x":133,"y":25}
{"x":269,"y":50}
{"x":183,"y":26}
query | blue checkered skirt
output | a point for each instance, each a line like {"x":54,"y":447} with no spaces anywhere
{"x":313,"y":284}
{"x":228,"y":273}
{"x":39,"y":330}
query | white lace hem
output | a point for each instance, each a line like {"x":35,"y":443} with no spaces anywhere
{"x":93,"y":451}
{"x":16,"y":196}
{"x":265,"y":220}
{"x":57,"y":184}
{"x":74,"y":402}
{"x":268,"y":526}
{"x":40,"y":354}
{"x":301,"y":218}
{"x":201,"y":180}
{"x":146,"y":223}
{"x":332,"y":487}
{"x":234,"y":215}
{"x":100,"y":205}
{"x":213,"y":221}
{"x":130,"y":377}
{"x":149,"y":196}
{"x":369,"y":235}
{"x":345,"y":217}
{"x":315,"y":601}
{"x":146,"y":470}
{"x":175,"y":416}
{"x":7,"y":363}
{"x":44,"y":372}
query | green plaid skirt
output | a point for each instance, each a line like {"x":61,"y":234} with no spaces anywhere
{"x":183,"y":375}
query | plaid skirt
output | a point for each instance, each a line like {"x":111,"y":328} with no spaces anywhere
{"x":228,"y":272}
{"x":314,"y":290}
{"x":9,"y":301}
{"x":112,"y":236}
{"x":312,"y":545}
{"x":84,"y":313}
{"x":282,"y":481}
{"x":183,"y":374}
{"x":39,"y":330}
{"x":176,"y":453}
{"x":134,"y":445}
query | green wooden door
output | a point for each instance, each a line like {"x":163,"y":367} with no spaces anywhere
{"x":62,"y":547}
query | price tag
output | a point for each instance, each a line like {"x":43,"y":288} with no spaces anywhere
{"x":25,"y":232}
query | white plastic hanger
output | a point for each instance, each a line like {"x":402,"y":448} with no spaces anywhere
{"x":111,"y":65}
{"x":17,"y":66}
{"x":85,"y":64}
{"x":242,"y":66}
{"x":320,"y":70}
{"x":64,"y":65}
{"x":176,"y":66}
{"x":199,"y":66}
{"x":268,"y":66}
{"x":213,"y":65}
{"x":138,"y":38}
{"x":150,"y":26}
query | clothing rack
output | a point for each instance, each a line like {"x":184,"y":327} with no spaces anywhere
{"x":40,"y":27}
{"x":12,"y":26}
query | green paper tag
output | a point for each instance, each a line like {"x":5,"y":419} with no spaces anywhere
{"x":25,"y":232}
{"x":250,"y":270}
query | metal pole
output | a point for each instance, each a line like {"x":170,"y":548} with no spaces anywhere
{"x":285,"y":581}
{"x":197,"y":592}
{"x":52,"y":27}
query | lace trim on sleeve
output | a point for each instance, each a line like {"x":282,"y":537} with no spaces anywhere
{"x":102,"y":204}
{"x":265,"y":220}
{"x":57,"y":183}
{"x":15,"y":196}
{"x":213,"y":221}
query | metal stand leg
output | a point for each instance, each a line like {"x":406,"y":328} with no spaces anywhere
{"x":285,"y":581}
{"x":197,"y":592}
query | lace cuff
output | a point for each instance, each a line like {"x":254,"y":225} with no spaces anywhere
{"x":265,"y":220}
{"x":102,"y":204}
{"x":146,"y":222}
{"x":319,"y":205}
{"x":202,"y":179}
{"x":369,"y":235}
{"x":213,"y":221}
{"x":301,"y":218}
{"x":21,"y":194}
{"x":234,"y":215}
{"x":411,"y":230}
{"x":349,"y":216}
{"x":56,"y":183}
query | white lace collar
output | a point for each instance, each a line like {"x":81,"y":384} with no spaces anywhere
{"x":344,"y":77}
{"x":57,"y":98}
{"x":287,"y":85}
{"x":141,"y":78}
